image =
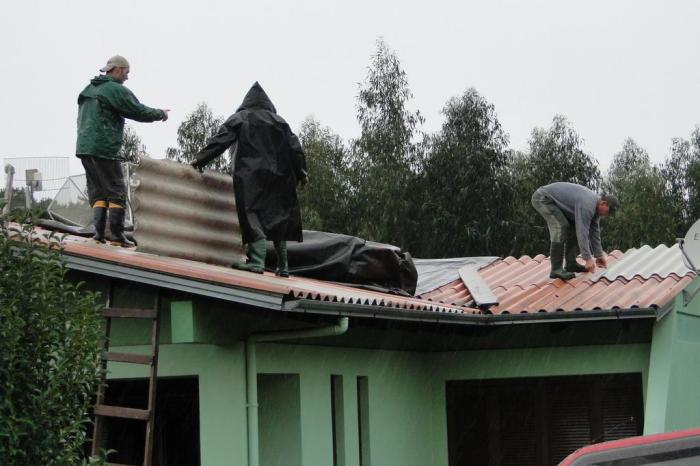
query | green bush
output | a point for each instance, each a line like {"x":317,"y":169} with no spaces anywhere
{"x":50,"y":342}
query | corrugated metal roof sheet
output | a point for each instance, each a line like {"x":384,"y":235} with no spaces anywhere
{"x":180,"y":212}
{"x":522,"y":285}
{"x":640,"y":278}
{"x":646,"y":262}
{"x":292,"y":287}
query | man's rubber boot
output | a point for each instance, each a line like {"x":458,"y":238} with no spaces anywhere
{"x":556,"y":258}
{"x":572,"y":264}
{"x":256,"y":258}
{"x":116,"y":226}
{"x":99,"y":215}
{"x":282,"y":264}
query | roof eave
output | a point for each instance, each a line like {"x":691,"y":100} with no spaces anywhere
{"x":281,"y":302}
{"x":383,"y":312}
{"x":228,"y":293}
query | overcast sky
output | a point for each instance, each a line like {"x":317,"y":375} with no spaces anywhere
{"x":615,"y":69}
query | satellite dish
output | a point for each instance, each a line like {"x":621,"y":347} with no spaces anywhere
{"x":690,"y":246}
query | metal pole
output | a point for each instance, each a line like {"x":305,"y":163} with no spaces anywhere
{"x":28,"y":197}
{"x":9,"y":175}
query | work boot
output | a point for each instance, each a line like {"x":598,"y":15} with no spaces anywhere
{"x":282,"y":264}
{"x":256,"y":258}
{"x":556,"y":258}
{"x":99,"y":215}
{"x":572,"y":264}
{"x":116,"y":226}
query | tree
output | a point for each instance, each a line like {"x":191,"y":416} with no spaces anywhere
{"x":644,"y":216}
{"x":466,"y":194}
{"x":193,"y":134}
{"x":50,"y":341}
{"x":681,"y":170}
{"x":324,"y":201}
{"x":556,"y":154}
{"x":385,"y":159}
{"x":132,"y":148}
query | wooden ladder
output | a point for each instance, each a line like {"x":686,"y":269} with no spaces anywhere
{"x":102,"y":410}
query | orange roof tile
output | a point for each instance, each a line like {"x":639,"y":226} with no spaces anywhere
{"x":523,"y":284}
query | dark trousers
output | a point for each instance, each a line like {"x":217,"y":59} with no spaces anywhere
{"x":561,"y":229}
{"x":105,"y":180}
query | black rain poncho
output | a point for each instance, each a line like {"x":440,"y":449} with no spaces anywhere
{"x":268,"y":162}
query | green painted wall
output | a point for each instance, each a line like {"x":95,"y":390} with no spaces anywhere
{"x":407,"y":416}
{"x":672,"y":400}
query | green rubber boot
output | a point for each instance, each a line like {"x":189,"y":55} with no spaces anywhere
{"x":556,"y":259}
{"x":282,"y":264}
{"x":572,"y":264}
{"x":256,"y":258}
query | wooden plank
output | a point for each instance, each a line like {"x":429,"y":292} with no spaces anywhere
{"x":480,"y":291}
{"x":121,"y":412}
{"x":127,"y":357}
{"x":131,"y":313}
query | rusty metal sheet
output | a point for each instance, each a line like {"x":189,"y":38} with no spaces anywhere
{"x":182,"y":213}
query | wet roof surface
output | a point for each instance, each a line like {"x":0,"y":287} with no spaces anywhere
{"x":639,"y":278}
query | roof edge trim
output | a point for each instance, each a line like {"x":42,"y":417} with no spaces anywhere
{"x":359,"y":310}
{"x":227,"y":293}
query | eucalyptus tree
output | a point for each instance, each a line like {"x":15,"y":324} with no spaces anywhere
{"x":466,"y":201}
{"x":681,"y":170}
{"x":385,"y":158}
{"x":193,"y":134}
{"x":644,"y":216}
{"x":325,"y":199}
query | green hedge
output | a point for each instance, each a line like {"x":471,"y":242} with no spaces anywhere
{"x":50,"y":342}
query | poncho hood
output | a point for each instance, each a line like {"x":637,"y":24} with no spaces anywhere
{"x":257,"y":98}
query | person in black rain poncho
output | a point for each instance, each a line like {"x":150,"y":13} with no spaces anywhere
{"x":268,"y":162}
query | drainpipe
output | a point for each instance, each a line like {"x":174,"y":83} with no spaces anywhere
{"x":252,"y":373}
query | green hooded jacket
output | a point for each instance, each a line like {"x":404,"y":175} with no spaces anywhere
{"x":102,"y":107}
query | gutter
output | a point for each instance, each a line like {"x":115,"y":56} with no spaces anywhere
{"x":252,"y":373}
{"x":391,"y":313}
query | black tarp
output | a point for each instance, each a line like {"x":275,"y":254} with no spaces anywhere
{"x":350,"y":260}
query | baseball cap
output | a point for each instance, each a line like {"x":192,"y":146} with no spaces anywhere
{"x":116,"y":61}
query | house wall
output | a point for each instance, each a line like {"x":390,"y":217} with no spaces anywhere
{"x":674,"y":368}
{"x":406,"y":394}
{"x":406,"y":421}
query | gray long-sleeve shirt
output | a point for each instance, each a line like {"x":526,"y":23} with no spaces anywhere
{"x":578,"y":204}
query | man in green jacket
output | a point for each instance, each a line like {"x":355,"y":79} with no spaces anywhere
{"x":102,"y":107}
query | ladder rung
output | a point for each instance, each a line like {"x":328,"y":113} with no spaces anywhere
{"x":121,"y":412}
{"x":134,"y":313}
{"x":127,"y":357}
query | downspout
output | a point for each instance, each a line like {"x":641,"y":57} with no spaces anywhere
{"x":252,"y":373}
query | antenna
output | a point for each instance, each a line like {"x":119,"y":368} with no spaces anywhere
{"x":690,"y":246}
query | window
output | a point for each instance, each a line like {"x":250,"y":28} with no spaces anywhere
{"x":363,"y":419}
{"x":538,"y":421}
{"x":338,"y":420}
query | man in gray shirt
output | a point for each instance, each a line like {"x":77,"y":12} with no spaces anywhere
{"x":573,"y":213}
